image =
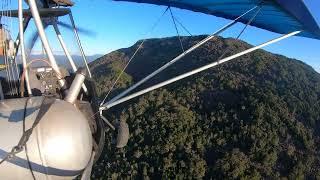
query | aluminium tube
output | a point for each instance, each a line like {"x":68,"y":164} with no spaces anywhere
{"x":45,"y":42}
{"x":23,"y":52}
{"x":74,"y":90}
{"x":79,"y":44}
{"x":69,"y":57}
{"x":181,"y":56}
{"x":190,"y":73}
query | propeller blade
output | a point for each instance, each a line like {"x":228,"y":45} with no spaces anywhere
{"x":32,"y":41}
{"x":80,"y":30}
{"x":34,"y":38}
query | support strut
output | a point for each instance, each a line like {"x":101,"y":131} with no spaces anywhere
{"x":23,"y":52}
{"x":181,"y":56}
{"x":114,"y":103}
{"x":45,"y":42}
{"x":79,"y":44}
{"x":66,"y":52}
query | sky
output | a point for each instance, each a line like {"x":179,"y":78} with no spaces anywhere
{"x":121,"y":24}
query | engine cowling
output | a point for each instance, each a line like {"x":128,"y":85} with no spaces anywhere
{"x":59,"y":147}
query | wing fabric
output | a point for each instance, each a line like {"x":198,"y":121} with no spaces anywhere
{"x":279,"y":16}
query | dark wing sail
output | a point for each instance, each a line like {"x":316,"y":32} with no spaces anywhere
{"x":279,"y":16}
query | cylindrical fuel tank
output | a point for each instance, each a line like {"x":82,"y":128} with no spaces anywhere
{"x":59,"y":147}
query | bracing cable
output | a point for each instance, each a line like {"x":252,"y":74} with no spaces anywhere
{"x":179,"y":57}
{"x":6,"y":31}
{"x":242,"y":31}
{"x":183,"y":27}
{"x":134,"y":55}
{"x":13,"y":58}
{"x":3,"y":39}
{"x":177,"y":30}
{"x":118,"y":100}
{"x":11,"y":67}
{"x":6,"y":23}
{"x":13,"y":63}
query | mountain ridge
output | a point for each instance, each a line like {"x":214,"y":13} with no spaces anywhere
{"x":256,"y":117}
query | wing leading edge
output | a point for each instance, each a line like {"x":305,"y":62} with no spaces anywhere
{"x":279,"y":16}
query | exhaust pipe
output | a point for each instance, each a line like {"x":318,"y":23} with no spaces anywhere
{"x":76,"y":86}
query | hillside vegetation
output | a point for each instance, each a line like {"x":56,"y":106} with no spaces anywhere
{"x":253,"y":118}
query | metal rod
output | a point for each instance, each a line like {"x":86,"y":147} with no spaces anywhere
{"x":66,"y":52}
{"x":1,"y":91}
{"x":75,"y":88}
{"x":45,"y":42}
{"x":8,"y":72}
{"x":133,"y":56}
{"x":106,"y":121}
{"x":64,"y":47}
{"x":176,"y":28}
{"x":180,"y":56}
{"x":25,"y":25}
{"x":23,"y":52}
{"x":79,"y":44}
{"x":111,"y":104}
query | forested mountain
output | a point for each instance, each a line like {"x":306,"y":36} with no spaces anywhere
{"x":257,"y":117}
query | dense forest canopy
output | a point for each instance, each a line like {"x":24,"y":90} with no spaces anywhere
{"x":257,"y":117}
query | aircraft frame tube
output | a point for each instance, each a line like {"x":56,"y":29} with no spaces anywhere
{"x":180,"y":56}
{"x":45,"y":42}
{"x":23,"y":52}
{"x":64,"y":47}
{"x":76,"y":85}
{"x":66,"y":52}
{"x":25,"y":25}
{"x":203,"y":68}
{"x":79,"y":44}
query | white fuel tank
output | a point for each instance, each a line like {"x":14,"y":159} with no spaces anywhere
{"x":59,"y":147}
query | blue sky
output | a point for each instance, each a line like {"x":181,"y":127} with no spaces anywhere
{"x":121,"y":24}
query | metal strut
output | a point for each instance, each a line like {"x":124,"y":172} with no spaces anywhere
{"x":79,"y":44}
{"x":181,"y":56}
{"x":66,"y":52}
{"x":176,"y":28}
{"x":133,"y":56}
{"x":21,"y":41}
{"x":114,"y":103}
{"x":45,"y":42}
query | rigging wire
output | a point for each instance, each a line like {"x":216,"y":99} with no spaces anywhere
{"x":177,"y":30}
{"x":117,"y":99}
{"x":179,"y":57}
{"x":242,"y":31}
{"x":6,"y":47}
{"x":12,"y":58}
{"x":6,"y":29}
{"x":195,"y":71}
{"x":3,"y":39}
{"x":183,"y":27}
{"x":134,"y":54}
{"x":9,"y":71}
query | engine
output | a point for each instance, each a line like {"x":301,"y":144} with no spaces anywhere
{"x":59,"y":147}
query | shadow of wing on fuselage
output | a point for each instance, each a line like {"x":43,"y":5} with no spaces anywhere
{"x":18,"y":115}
